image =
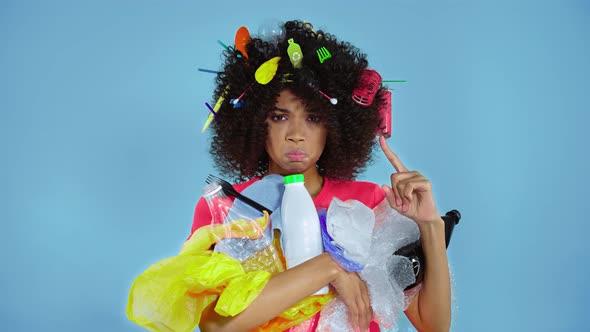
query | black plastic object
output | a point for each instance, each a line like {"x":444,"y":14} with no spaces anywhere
{"x":415,"y":254}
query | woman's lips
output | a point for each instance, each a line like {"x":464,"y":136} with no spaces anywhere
{"x":296,"y":155}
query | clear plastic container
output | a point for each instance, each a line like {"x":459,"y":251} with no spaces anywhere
{"x":224,"y":211}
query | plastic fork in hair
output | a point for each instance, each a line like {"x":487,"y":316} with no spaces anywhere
{"x":323,"y":54}
{"x":229,"y":190}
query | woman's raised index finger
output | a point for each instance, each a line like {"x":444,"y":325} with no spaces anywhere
{"x":391,"y":156}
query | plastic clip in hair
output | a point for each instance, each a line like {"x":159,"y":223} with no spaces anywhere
{"x":367,"y":87}
{"x":385,"y":114}
{"x":323,"y":54}
{"x":287,"y":78}
{"x":295,"y":53}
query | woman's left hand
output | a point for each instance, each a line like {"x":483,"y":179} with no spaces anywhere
{"x":410,"y":193}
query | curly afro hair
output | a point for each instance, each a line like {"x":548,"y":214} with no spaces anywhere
{"x":239,"y":134}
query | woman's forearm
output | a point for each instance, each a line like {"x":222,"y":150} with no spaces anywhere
{"x":281,"y":292}
{"x":434,"y":298}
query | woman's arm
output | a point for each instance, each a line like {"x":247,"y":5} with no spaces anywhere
{"x":430,"y":310}
{"x":411,"y":195}
{"x":289,"y":287}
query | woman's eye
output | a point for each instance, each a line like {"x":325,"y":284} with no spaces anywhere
{"x":278,"y":117}
{"x":315,"y":118}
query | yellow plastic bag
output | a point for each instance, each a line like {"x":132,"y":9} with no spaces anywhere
{"x":171,"y":294}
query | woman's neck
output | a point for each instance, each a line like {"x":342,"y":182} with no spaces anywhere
{"x":313,"y":183}
{"x":313,"y":180}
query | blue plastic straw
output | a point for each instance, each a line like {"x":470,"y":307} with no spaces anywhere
{"x":222,"y":44}
{"x":210,"y":108}
{"x":208,"y":71}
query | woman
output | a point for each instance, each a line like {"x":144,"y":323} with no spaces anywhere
{"x":303,"y":120}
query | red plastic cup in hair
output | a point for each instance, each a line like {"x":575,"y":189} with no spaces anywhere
{"x":367,"y":86}
{"x":385,"y":114}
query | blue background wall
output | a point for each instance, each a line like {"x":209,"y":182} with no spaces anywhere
{"x":102,"y":158}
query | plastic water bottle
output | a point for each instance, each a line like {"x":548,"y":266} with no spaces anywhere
{"x":302,"y":237}
{"x":219,"y":204}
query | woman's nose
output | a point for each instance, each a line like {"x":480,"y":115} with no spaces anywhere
{"x":296,"y":132}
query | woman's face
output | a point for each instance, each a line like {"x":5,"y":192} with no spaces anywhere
{"x":296,"y":136}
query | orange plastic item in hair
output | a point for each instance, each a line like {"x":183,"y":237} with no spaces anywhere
{"x":242,"y":40}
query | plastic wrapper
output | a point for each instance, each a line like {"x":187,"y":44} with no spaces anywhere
{"x":351,"y":225}
{"x":346,"y":233}
{"x":335,"y":251}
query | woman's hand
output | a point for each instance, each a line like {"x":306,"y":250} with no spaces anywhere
{"x":353,"y":291}
{"x":410,"y":193}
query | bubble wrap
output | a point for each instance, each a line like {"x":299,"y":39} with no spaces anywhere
{"x":391,"y":232}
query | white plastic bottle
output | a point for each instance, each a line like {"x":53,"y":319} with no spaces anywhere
{"x":302,"y":237}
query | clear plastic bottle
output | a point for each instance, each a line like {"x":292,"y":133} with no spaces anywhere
{"x":219,"y":204}
{"x":302,"y":237}
{"x":224,"y":211}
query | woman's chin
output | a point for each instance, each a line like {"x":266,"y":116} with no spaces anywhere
{"x":293,"y":168}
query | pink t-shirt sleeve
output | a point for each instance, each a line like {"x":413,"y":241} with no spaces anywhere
{"x":202,"y":216}
{"x":378,"y":195}
{"x":367,"y":193}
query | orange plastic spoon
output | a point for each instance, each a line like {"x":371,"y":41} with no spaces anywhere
{"x":242,"y":40}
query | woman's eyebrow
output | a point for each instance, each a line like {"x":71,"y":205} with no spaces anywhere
{"x":282,"y":110}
